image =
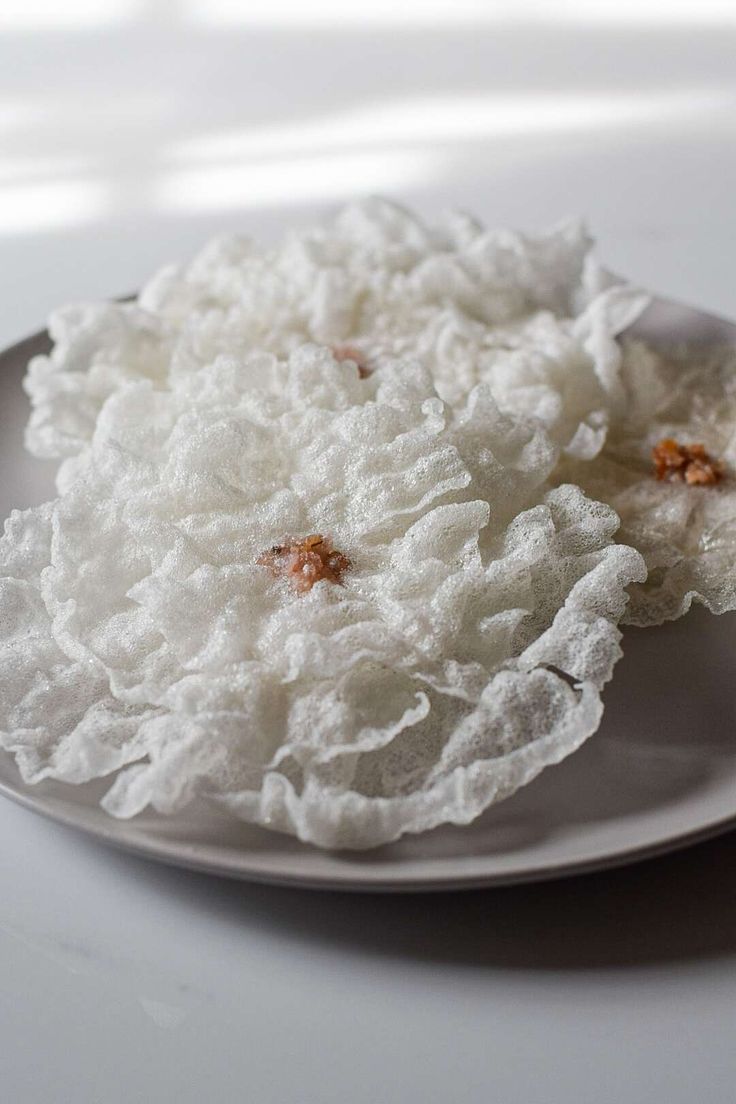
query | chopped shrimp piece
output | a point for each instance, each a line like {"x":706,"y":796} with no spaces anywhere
{"x":685,"y":463}
{"x":305,"y":561}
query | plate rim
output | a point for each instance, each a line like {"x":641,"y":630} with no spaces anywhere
{"x":156,"y":851}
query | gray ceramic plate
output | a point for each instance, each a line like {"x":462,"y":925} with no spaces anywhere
{"x":660,"y":773}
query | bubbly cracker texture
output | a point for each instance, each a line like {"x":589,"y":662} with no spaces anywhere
{"x":534,"y":317}
{"x":686,"y":533}
{"x":464,"y":652}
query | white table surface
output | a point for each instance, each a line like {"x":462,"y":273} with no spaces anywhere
{"x":121,"y":981}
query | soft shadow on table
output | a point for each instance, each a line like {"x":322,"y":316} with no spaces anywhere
{"x":678,"y":907}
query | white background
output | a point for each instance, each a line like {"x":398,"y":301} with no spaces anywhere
{"x":129,"y":132}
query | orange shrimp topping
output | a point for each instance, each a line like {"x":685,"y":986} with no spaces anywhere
{"x":305,"y":561}
{"x":685,"y":463}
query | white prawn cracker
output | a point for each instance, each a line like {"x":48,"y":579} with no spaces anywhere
{"x":428,"y":408}
{"x":686,"y":533}
{"x":534,"y":317}
{"x":143,"y":637}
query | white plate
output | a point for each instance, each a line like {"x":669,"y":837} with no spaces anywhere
{"x":660,"y":773}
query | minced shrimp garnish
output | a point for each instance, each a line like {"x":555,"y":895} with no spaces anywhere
{"x":305,"y":561}
{"x":349,"y":352}
{"x":685,"y":463}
